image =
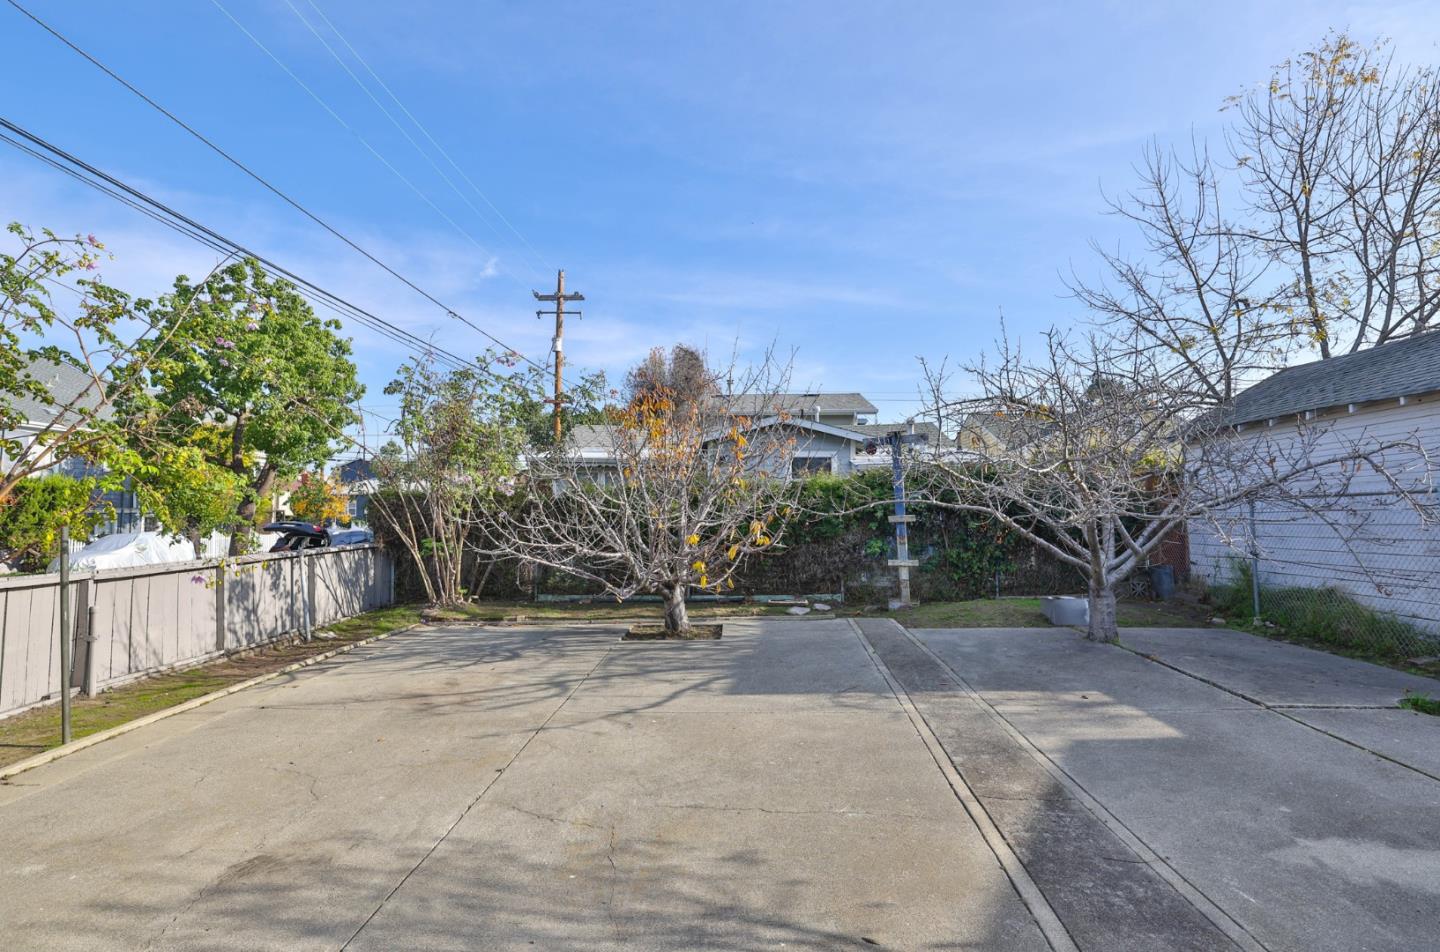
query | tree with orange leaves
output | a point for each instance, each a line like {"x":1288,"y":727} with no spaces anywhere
{"x":318,"y":498}
{"x":684,"y":490}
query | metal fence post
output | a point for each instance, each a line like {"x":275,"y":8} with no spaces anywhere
{"x":66,"y":634}
{"x":304,"y":593}
{"x":1254,"y":563}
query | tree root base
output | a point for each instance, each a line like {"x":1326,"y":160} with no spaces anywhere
{"x":655,"y":632}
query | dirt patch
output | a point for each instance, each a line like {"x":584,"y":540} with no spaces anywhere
{"x":654,"y":632}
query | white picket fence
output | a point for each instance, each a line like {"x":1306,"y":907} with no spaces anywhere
{"x":129,"y":623}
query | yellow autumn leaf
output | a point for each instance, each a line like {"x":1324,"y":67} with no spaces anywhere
{"x":733,"y":551}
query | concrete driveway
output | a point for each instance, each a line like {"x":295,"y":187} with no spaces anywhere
{"x":812,"y":784}
{"x":1277,"y":789}
{"x":525,"y":788}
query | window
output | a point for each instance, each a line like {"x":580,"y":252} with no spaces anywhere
{"x":802,"y":467}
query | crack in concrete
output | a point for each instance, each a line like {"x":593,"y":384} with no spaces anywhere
{"x":1281,"y":709}
{"x":486,"y":788}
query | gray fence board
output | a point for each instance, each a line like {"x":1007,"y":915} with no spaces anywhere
{"x":156,"y":617}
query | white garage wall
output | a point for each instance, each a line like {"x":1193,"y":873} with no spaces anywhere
{"x":1372,"y":545}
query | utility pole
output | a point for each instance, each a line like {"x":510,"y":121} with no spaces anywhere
{"x":66,"y":633}
{"x":897,"y":440}
{"x":557,"y":345}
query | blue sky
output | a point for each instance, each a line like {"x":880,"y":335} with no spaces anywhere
{"x":862,"y":182}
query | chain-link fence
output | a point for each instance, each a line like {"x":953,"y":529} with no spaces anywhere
{"x":1362,"y":574}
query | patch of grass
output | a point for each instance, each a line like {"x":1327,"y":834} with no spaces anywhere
{"x":37,"y":730}
{"x":1421,"y":703}
{"x":1324,"y":618}
{"x":1025,"y":613}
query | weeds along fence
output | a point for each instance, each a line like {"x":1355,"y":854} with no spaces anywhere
{"x":1363,"y":575}
{"x":129,"y":623}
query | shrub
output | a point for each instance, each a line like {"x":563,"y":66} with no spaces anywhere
{"x":31,"y":518}
{"x":1326,"y":615}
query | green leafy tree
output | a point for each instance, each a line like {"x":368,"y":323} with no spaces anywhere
{"x":72,"y":376}
{"x":88,"y":338}
{"x":457,"y":447}
{"x":35,"y":511}
{"x":245,"y":361}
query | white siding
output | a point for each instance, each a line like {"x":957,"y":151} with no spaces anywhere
{"x":1374,"y":547}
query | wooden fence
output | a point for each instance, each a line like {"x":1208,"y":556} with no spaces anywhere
{"x":129,"y":623}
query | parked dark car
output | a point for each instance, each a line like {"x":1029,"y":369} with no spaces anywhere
{"x":297,"y":535}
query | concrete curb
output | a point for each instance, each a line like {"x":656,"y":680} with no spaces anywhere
{"x":90,"y":740}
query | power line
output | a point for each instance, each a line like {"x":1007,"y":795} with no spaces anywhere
{"x":379,"y":156}
{"x":540,"y":258}
{"x":257,"y":177}
{"x":393,"y":121}
{"x":165,"y":215}
{"x":312,"y":292}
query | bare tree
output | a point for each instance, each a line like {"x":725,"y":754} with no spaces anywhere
{"x":1340,"y":150}
{"x":1106,"y":451}
{"x":671,"y":494}
{"x":1325,"y":242}
{"x":1198,"y":297}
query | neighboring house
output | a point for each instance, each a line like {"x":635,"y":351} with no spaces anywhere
{"x":830,"y":429}
{"x":357,"y":476}
{"x":987,"y":432}
{"x":1376,"y":548}
{"x":76,"y":397}
{"x":833,"y":409}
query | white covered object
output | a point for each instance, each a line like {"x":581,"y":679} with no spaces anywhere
{"x":129,"y":549}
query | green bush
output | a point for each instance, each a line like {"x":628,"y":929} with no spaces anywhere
{"x":31,"y":518}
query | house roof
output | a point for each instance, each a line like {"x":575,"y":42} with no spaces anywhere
{"x":587,"y":439}
{"x":1396,"y":369}
{"x":801,"y":403}
{"x":68,"y":386}
{"x":355,"y":471}
{"x":929,"y":430}
{"x":1006,"y":430}
{"x":591,"y":436}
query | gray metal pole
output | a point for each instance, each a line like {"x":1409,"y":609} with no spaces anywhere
{"x":66,"y":634}
{"x":1254,"y":563}
{"x":304,"y":595}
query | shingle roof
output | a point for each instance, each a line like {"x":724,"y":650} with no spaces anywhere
{"x":929,"y":430}
{"x":68,"y":387}
{"x":799,"y":403}
{"x":591,"y":436}
{"x":355,"y":471}
{"x":1396,"y":369}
